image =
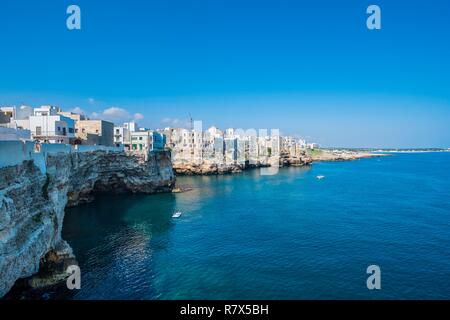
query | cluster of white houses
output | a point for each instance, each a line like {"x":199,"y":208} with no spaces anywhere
{"x":231,"y":146}
{"x":136,"y":139}
{"x":49,"y":124}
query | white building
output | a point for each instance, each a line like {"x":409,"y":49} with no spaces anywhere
{"x":122,"y":134}
{"x":219,"y":149}
{"x":131,"y":126}
{"x":147,"y":141}
{"x":229,"y":133}
{"x":47,"y":125}
{"x":122,"y":137}
{"x":178,"y":143}
{"x":197,"y":145}
{"x":18,"y":118}
{"x":232,"y":146}
{"x":186,"y":145}
{"x":141,"y":140}
{"x":231,"y":150}
{"x":213,"y":145}
{"x":242,"y":155}
{"x":253,"y":149}
{"x":275,"y":146}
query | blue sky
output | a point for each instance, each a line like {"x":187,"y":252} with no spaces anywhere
{"x":309,"y":68}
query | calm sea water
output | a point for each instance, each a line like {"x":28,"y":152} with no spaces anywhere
{"x":287,"y":236}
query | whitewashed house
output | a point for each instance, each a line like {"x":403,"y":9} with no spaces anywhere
{"x":17,"y":118}
{"x":122,"y":137}
{"x":122,"y":134}
{"x":147,"y":141}
{"x":231,"y":148}
{"x":46,"y":125}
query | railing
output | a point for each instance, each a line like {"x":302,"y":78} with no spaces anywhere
{"x":15,"y":152}
{"x":57,"y":134}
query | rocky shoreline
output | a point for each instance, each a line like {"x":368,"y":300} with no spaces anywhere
{"x":346,"y":155}
{"x":34,"y":258}
{"x":285,"y":160}
{"x":35,"y":193}
{"x":190,"y":169}
{"x":210,"y":168}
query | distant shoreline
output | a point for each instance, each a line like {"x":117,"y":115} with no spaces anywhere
{"x":324,"y":155}
{"x":413,"y":151}
{"x":374,"y":150}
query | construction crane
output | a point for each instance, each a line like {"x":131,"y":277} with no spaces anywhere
{"x":191,"y":121}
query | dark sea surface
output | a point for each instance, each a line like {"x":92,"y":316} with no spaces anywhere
{"x":286,"y":236}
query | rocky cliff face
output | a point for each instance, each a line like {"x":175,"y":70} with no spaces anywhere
{"x":32,"y":202}
{"x":209,"y":168}
{"x":302,"y":159}
{"x":206,"y":168}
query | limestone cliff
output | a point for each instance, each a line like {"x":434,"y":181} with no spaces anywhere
{"x":211,"y":168}
{"x":206,"y":168}
{"x":301,"y":159}
{"x":32,"y":201}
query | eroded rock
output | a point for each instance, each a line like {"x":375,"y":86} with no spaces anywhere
{"x":32,"y":206}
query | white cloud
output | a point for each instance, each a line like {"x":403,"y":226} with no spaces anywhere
{"x":91,"y":100}
{"x":116,"y":115}
{"x":78,"y":110}
{"x":114,"y":112}
{"x":175,"y":123}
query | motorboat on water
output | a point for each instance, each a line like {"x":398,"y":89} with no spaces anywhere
{"x":176,"y":214}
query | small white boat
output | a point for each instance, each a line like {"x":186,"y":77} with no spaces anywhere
{"x":176,"y":214}
{"x":320,"y":177}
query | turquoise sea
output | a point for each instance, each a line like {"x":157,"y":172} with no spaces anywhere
{"x":286,"y":236}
